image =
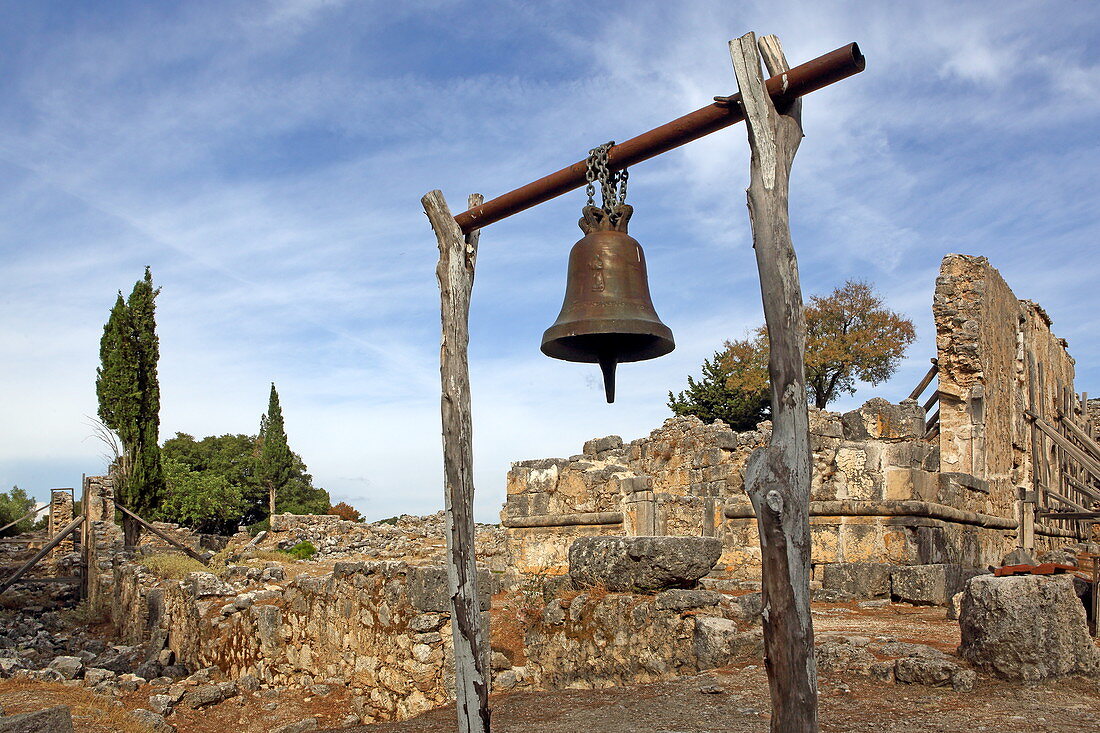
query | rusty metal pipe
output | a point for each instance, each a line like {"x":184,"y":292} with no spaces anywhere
{"x":783,"y":88}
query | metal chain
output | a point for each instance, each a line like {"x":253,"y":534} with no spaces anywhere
{"x":612,"y":183}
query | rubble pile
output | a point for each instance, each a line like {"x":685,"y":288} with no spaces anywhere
{"x":407,"y":538}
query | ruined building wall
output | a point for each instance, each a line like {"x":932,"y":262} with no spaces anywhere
{"x":103,"y":539}
{"x":881,"y":492}
{"x":994,"y":351}
{"x":61,"y":515}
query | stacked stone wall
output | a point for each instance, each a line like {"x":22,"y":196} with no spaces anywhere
{"x":61,"y":516}
{"x":994,"y":351}
{"x":407,"y":538}
{"x":382,"y":630}
{"x":103,"y":541}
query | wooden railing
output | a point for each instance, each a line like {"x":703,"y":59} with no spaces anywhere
{"x":932,"y":422}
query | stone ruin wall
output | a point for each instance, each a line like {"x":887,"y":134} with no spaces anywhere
{"x":382,"y":629}
{"x":60,"y":516}
{"x":103,"y":541}
{"x":991,"y":349}
{"x":881,"y":493}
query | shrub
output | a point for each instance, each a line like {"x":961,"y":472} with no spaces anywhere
{"x":346,"y":511}
{"x":302,"y":551}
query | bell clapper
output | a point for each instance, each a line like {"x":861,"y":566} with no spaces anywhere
{"x":608,"y":362}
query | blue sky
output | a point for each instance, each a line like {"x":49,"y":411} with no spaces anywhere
{"x":267,"y":158}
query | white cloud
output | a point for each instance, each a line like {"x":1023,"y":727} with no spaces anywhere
{"x":267,"y":160}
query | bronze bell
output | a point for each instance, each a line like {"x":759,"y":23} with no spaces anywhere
{"x":608,"y":315}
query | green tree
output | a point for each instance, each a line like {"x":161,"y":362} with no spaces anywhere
{"x":204,"y":500}
{"x":850,"y":336}
{"x":712,"y":399}
{"x":232,"y":457}
{"x":13,"y":505}
{"x":236,"y":458}
{"x":276,"y":462}
{"x":129,"y":398}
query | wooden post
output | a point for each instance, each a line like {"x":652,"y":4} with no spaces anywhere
{"x":170,"y":540}
{"x":777,"y":477}
{"x":455,"y":272}
{"x":28,"y":515}
{"x":57,"y":538}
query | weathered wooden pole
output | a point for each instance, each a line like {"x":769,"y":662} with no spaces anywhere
{"x":65,"y":532}
{"x":455,"y":272}
{"x":777,"y":477}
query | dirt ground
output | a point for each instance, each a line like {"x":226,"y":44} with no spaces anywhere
{"x":849,"y":702}
{"x":859,"y":705}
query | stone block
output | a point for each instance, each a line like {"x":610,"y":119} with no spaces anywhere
{"x":920,"y":585}
{"x":68,"y":667}
{"x":686,"y":599}
{"x":52,"y":720}
{"x":633,"y":484}
{"x":1028,"y":627}
{"x":879,"y":419}
{"x":824,"y":546}
{"x":930,"y":585}
{"x":718,"y":642}
{"x":643,"y":564}
{"x":428,"y":588}
{"x":860,"y":542}
{"x":857,"y":579}
{"x":599,"y":445}
{"x":911,"y":483}
{"x":922,"y":671}
{"x":204,"y":585}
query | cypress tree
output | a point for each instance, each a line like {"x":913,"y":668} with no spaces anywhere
{"x":276,"y":461}
{"x":129,"y":398}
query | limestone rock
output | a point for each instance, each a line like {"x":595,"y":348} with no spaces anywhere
{"x":152,"y":720}
{"x":210,"y":694}
{"x":69,"y":667}
{"x":879,"y":419}
{"x":953,"y":607}
{"x":1019,"y":556}
{"x":204,"y":585}
{"x":9,"y":665}
{"x":683,"y":599}
{"x":921,"y":671}
{"x":929,"y":585}
{"x":598,"y":445}
{"x":52,"y":720}
{"x":641,"y":563}
{"x":857,"y":579}
{"x":718,"y":641}
{"x":1026,"y":627}
{"x":160,"y":704}
{"x":749,"y":606}
{"x":428,"y":588}
{"x":94,"y":675}
{"x":837,"y":655}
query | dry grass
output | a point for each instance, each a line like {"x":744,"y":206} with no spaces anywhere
{"x":172,"y":566}
{"x":91,"y":713}
{"x":267,"y":556}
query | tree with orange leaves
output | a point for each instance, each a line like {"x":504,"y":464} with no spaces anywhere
{"x":850,"y":336}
